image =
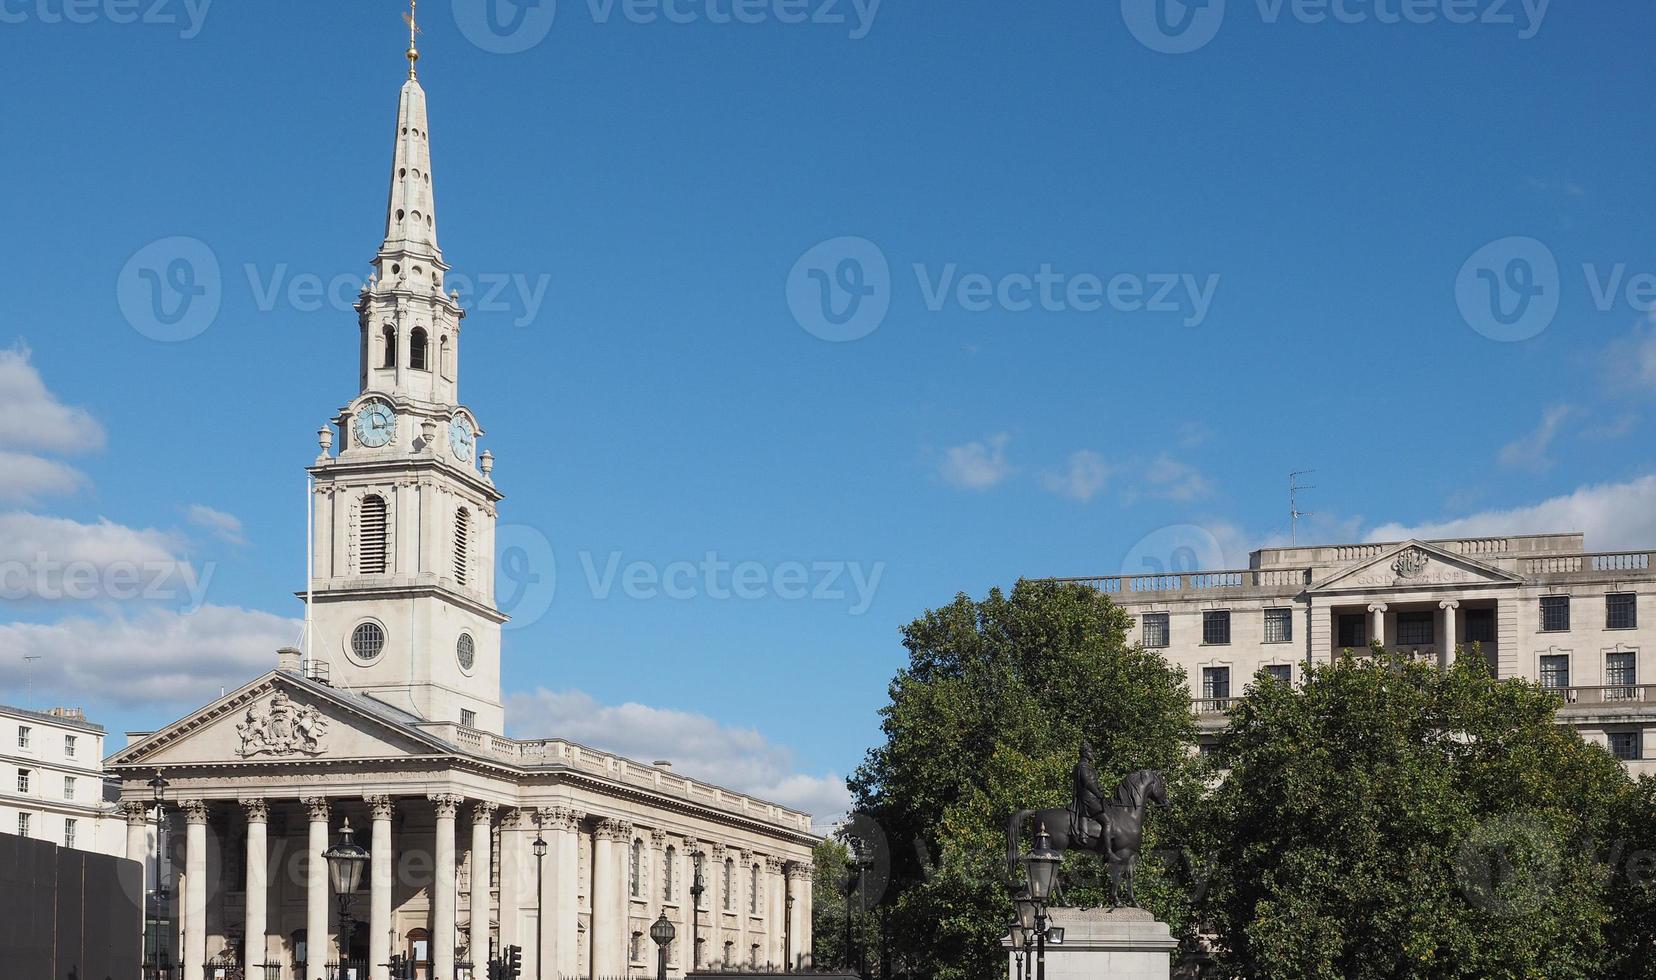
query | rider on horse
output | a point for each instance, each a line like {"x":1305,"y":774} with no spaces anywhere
{"x":1089,"y":799}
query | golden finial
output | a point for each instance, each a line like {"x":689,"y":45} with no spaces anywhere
{"x":413,"y":31}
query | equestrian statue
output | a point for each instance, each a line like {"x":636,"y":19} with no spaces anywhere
{"x":1113,"y":828}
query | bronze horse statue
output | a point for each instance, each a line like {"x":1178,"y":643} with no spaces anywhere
{"x":1117,"y":838}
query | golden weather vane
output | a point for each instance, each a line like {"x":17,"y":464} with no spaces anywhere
{"x":413,"y":33}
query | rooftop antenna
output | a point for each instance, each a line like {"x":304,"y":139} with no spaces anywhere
{"x":28,"y":673}
{"x":1294,"y":513}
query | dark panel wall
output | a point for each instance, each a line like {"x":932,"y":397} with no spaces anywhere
{"x":67,"y":914}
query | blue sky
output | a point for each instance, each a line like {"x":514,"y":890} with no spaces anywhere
{"x":1272,"y":252}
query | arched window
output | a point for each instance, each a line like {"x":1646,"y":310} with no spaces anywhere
{"x":371,"y":550}
{"x":417,"y":350}
{"x":462,"y":543}
{"x":667,"y":874}
{"x":729,"y":885}
{"x":388,"y":343}
{"x":635,"y":876}
{"x":445,"y":358}
{"x":753,"y":891}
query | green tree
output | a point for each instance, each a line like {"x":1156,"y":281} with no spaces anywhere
{"x":1393,"y":820}
{"x":986,"y":719}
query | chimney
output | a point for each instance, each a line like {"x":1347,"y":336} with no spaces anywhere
{"x":287,"y":660}
{"x":663,"y":764}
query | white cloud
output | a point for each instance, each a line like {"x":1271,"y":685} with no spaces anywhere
{"x":1530,"y":451}
{"x":25,"y":536}
{"x":1613,"y":515}
{"x":698,"y":746}
{"x":25,"y":477}
{"x":152,"y":656}
{"x":225,"y":527}
{"x":1166,"y":478}
{"x":31,"y":417}
{"x":977,"y":465}
{"x":1082,"y":479}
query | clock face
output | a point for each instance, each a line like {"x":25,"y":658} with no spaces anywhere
{"x":376,"y":424}
{"x":462,"y":440}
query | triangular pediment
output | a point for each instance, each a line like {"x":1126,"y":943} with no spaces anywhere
{"x":1412,"y":565}
{"x":281,"y":718}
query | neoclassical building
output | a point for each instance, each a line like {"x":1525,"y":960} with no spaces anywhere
{"x":1539,"y":606}
{"x":391,"y":721}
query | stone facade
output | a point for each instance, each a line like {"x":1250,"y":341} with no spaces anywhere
{"x":1540,"y":607}
{"x":52,"y":781}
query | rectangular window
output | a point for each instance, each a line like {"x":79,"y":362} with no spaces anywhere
{"x":1415,"y":629}
{"x":1282,"y":673}
{"x":68,"y":787}
{"x":1555,"y":671}
{"x":69,"y":832}
{"x":23,"y":733}
{"x":1157,"y":630}
{"x":1279,"y":625}
{"x":1627,"y":746}
{"x":1480,"y":626}
{"x":22,"y":825}
{"x":1555,"y":613}
{"x":1353,"y":628}
{"x":1215,"y":683}
{"x":1621,"y":611}
{"x":69,"y":746}
{"x":23,"y":780}
{"x":468,"y":718}
{"x":1216,"y":627}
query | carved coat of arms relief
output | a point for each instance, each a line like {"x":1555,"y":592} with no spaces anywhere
{"x":281,"y":728}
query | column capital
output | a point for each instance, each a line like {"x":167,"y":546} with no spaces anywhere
{"x":257,"y":809}
{"x":776,"y":865}
{"x":1380,"y":607}
{"x":718,"y":852}
{"x":558,"y":818}
{"x":693,"y":846}
{"x":1449,"y":604}
{"x":512,"y":818}
{"x":658,"y":839}
{"x":800,"y":871}
{"x":317,"y":807}
{"x":483,"y":811}
{"x":137,"y":814}
{"x":446,"y":804}
{"x":616,"y":831}
{"x":381,"y":807}
{"x":195,"y":811}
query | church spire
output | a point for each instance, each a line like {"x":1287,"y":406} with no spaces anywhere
{"x":413,"y":32}
{"x":410,"y":224}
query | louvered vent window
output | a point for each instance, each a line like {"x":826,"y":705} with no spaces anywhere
{"x":373,"y":532}
{"x":462,"y":534}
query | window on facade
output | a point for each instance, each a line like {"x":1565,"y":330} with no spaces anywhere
{"x":667,"y":875}
{"x":1279,"y":625}
{"x":1627,"y":746}
{"x":371,"y":536}
{"x":635,"y":948}
{"x":23,"y":825}
{"x":729,"y":951}
{"x":699,"y":902}
{"x":1621,"y":669}
{"x":1555,"y":671}
{"x":417,"y":350}
{"x":753,"y":891}
{"x":1215,"y":683}
{"x":1216,"y":626}
{"x":1353,"y":630}
{"x":23,"y":734}
{"x":69,"y":746}
{"x":68,"y":787}
{"x":468,"y":718}
{"x":23,"y":780}
{"x":367,"y":640}
{"x":1480,"y":626}
{"x":753,"y":956}
{"x":462,"y":537}
{"x":69,"y":832}
{"x":1156,"y":630}
{"x":1281,"y":673}
{"x":729,"y":885}
{"x":1621,"y":611}
{"x":388,"y":342}
{"x":635,"y":872}
{"x":1415,"y":629}
{"x":1555,"y":613}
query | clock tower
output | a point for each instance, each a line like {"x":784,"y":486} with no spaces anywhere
{"x":401,"y":598}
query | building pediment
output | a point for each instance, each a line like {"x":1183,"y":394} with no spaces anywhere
{"x":1414,"y":564}
{"x":280,"y":718}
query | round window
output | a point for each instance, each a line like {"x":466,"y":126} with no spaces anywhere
{"x":368,"y":640}
{"x":465,"y":649}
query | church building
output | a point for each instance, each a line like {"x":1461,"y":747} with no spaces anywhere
{"x":390,"y":728}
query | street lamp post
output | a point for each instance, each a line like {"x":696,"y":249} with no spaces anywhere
{"x":662,"y":932}
{"x":697,"y":888}
{"x":1041,"y":867}
{"x":787,"y":936}
{"x":346,"y":859}
{"x":539,"y":847}
{"x":157,"y":786}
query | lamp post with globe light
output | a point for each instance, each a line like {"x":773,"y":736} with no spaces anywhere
{"x":158,"y":786}
{"x":697,"y":888}
{"x":346,"y":859}
{"x":539,"y":847}
{"x":1041,"y":868}
{"x":662,"y":932}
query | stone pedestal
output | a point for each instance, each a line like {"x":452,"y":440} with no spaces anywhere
{"x":1102,"y":944}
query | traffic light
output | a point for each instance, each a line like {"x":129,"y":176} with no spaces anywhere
{"x":494,"y":970}
{"x":514,"y":963}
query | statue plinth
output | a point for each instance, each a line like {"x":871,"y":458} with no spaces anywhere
{"x":1103,"y":944}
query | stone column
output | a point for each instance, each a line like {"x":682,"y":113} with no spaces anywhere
{"x":257,"y":889}
{"x":380,"y":862}
{"x":516,"y":860}
{"x":195,"y":887}
{"x":715,"y":905}
{"x":609,"y":899}
{"x":798,"y":952}
{"x":137,"y":849}
{"x":482,"y":824}
{"x":1378,"y":610}
{"x":742,"y":890}
{"x":1446,"y":647}
{"x":805,"y":938}
{"x":317,"y":941}
{"x":776,"y":912}
{"x":563,"y":903}
{"x":443,"y":889}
